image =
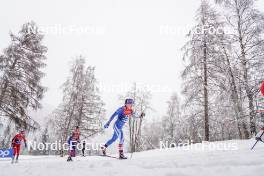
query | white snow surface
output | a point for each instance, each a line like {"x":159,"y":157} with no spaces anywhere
{"x":240,"y":161}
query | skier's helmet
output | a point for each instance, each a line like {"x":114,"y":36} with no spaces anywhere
{"x":22,"y":132}
{"x":129,"y":101}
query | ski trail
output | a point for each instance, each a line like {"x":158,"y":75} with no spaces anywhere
{"x":171,"y":162}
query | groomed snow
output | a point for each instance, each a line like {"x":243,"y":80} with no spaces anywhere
{"x":170,"y":162}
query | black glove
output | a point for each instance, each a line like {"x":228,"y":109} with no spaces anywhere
{"x":142,"y":115}
{"x":106,"y":125}
{"x":258,"y":139}
{"x":25,"y":145}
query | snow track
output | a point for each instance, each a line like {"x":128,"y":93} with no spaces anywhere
{"x":171,"y":162}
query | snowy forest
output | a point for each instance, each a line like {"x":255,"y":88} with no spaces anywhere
{"x":220,"y":98}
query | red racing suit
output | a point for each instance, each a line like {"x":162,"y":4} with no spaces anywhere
{"x":16,"y":142}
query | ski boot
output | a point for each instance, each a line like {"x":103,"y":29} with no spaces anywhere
{"x":121,"y":152}
{"x":13,"y":159}
{"x":17,"y":159}
{"x":121,"y":155}
{"x":69,"y":159}
{"x":103,"y":148}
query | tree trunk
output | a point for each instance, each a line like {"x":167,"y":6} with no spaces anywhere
{"x":205,"y":85}
{"x":245,"y":78}
{"x":235,"y":99}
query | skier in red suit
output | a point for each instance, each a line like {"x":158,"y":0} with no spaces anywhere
{"x":16,"y":142}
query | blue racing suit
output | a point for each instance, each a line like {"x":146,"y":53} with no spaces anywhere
{"x":123,"y":114}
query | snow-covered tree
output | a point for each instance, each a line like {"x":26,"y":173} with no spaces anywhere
{"x":171,"y":122}
{"x":247,"y":24}
{"x":82,"y":105}
{"x":200,"y":52}
{"x":20,"y":77}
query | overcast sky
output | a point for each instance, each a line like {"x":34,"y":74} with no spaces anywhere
{"x":127,"y":41}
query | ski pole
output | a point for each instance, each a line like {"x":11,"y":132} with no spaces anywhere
{"x":254,"y":145}
{"x":257,"y":140}
{"x":97,"y":132}
{"x":136,"y":133}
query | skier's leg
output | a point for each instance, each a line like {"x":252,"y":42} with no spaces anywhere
{"x":17,"y":158}
{"x":114,"y":137}
{"x":70,"y":151}
{"x":14,"y":152}
{"x":70,"y":154}
{"x":83,"y":151}
{"x":18,"y":152}
{"x":120,"y":146}
{"x":121,"y":137}
{"x":74,"y":151}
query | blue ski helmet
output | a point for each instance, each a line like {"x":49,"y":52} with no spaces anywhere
{"x":129,"y":101}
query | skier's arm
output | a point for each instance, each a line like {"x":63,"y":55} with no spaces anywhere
{"x":113,"y":116}
{"x":134,"y":115}
{"x":78,"y":140}
{"x":13,"y":141}
{"x":25,"y":141}
{"x":69,"y":141}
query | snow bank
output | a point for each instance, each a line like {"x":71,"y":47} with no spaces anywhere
{"x":167,"y":162}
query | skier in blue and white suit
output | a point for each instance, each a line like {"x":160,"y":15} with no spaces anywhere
{"x":123,"y":114}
